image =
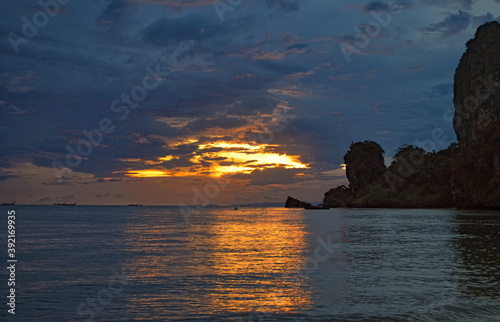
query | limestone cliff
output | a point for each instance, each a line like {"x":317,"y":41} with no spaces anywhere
{"x":476,"y":176}
{"x":467,"y":176}
{"x":476,"y":88}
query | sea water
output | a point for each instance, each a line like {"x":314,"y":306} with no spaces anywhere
{"x":253,"y":264}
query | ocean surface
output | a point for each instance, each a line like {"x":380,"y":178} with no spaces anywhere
{"x":254,"y":264}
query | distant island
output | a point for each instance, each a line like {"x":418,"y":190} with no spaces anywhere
{"x":465,"y":175}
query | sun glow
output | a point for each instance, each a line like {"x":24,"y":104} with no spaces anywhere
{"x":220,"y":158}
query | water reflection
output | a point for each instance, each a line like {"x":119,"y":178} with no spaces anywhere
{"x":236,"y":262}
{"x":478,"y":247}
{"x":253,"y":259}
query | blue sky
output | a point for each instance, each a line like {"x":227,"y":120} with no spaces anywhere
{"x":183,"y":92}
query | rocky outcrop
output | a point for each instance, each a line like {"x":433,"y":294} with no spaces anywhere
{"x":295,"y":203}
{"x":476,"y":175}
{"x":364,"y":165}
{"x":339,"y":197}
{"x":466,"y":175}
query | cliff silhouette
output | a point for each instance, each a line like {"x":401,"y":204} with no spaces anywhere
{"x":466,"y":174}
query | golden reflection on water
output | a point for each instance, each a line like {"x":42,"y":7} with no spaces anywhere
{"x":227,"y":261}
{"x":256,"y":261}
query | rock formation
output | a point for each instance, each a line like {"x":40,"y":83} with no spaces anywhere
{"x":465,"y":176}
{"x":476,"y":177}
{"x":364,"y":164}
{"x":295,"y":203}
{"x":477,"y":84}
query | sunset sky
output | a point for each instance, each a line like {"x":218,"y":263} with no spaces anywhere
{"x":166,"y":102}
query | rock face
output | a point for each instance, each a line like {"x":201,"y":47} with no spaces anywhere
{"x":295,"y":203}
{"x":476,"y":176}
{"x":364,"y":164}
{"x":477,"y":84}
{"x":339,"y":197}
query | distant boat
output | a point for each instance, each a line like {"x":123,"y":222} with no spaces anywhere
{"x":8,"y":203}
{"x":134,"y":205}
{"x":64,"y":204}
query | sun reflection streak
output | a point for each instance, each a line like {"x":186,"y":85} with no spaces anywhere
{"x":268,"y":251}
{"x":240,"y":262}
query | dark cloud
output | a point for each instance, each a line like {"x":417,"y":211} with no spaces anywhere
{"x":284,"y":5}
{"x":112,"y":12}
{"x":374,"y":6}
{"x":5,"y":177}
{"x":222,"y":122}
{"x":271,"y":176}
{"x":456,"y":23}
{"x":169,"y":31}
{"x":455,"y":4}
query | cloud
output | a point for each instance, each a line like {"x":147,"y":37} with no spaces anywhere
{"x":177,"y":3}
{"x":18,"y":83}
{"x":342,"y":77}
{"x":410,"y":69}
{"x":270,"y":176}
{"x":245,"y":76}
{"x":222,"y":122}
{"x":112,"y":12}
{"x":456,"y":23}
{"x":169,"y":31}
{"x":14,"y":110}
{"x":277,"y":54}
{"x":300,"y":75}
{"x":291,"y":91}
{"x":284,"y":5}
{"x":5,"y":177}
{"x":456,"y":4}
{"x":374,"y":6}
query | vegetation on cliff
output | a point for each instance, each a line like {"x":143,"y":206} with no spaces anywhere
{"x":414,"y":178}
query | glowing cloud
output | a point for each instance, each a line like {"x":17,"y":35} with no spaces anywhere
{"x":228,"y":158}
